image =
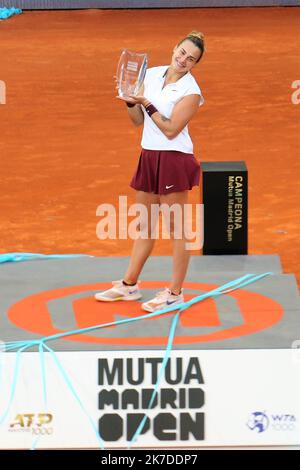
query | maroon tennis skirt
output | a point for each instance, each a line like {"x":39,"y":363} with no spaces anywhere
{"x":166,"y":171}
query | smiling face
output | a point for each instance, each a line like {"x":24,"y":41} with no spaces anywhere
{"x":185,"y":56}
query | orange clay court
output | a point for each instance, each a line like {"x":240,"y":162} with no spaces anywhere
{"x":67,"y":145}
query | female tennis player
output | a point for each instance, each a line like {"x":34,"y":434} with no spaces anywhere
{"x":167,"y":169}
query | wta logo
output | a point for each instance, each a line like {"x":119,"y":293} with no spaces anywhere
{"x":258,"y":422}
{"x":261,"y":421}
{"x":70,"y":308}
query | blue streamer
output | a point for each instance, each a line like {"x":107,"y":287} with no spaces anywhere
{"x":74,"y":393}
{"x":8,"y":12}
{"x":160,"y":376}
{"x":22,"y":345}
{"x":14,"y":383}
{"x":43,"y":372}
{"x":219,"y":291}
{"x":44,"y":388}
{"x":236,"y":284}
{"x":16,"y":257}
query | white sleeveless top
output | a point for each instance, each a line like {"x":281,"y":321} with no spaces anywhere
{"x":164,"y":99}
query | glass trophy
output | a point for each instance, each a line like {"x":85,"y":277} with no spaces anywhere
{"x":131,"y":73}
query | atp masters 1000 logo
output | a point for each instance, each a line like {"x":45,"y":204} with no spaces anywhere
{"x":34,"y":423}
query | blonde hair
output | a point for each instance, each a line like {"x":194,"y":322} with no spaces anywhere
{"x":197,"y":38}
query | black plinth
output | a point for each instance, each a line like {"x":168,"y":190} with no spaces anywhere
{"x":225,"y":199}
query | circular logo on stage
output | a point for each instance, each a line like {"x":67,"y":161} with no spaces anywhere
{"x":258,"y":422}
{"x":70,"y":308}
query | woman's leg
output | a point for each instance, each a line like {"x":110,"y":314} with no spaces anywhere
{"x":142,"y":246}
{"x":181,"y":255}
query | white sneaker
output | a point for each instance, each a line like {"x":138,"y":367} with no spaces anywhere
{"x":162,"y":300}
{"x":119,"y":292}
